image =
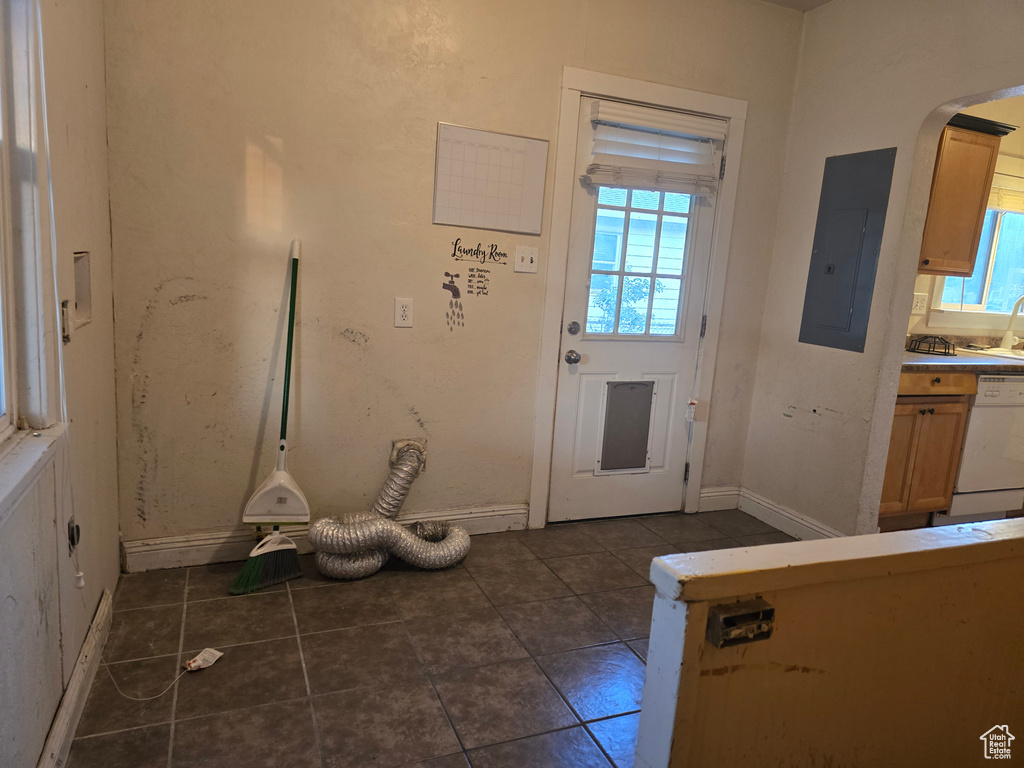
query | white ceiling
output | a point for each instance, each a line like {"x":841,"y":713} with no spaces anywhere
{"x":800,"y":5}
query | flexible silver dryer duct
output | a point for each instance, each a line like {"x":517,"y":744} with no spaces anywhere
{"x":358,"y":544}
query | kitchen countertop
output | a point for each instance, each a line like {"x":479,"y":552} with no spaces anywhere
{"x":915,"y":362}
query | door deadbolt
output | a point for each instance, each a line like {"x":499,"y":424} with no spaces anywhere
{"x":573,"y":328}
{"x":572,"y":357}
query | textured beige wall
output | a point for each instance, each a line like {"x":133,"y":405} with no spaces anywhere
{"x":872,"y":74}
{"x":339,"y":103}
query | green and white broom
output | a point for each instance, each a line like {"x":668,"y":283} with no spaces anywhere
{"x":279,"y":501}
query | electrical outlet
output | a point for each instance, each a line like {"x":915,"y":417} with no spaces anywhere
{"x":403,"y":313}
{"x":920,"y":304}
{"x":526,"y":258}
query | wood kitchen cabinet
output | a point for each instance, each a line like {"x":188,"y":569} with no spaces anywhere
{"x":961,"y":184}
{"x":924,"y":448}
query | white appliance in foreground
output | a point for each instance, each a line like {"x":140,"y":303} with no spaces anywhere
{"x":991,"y":478}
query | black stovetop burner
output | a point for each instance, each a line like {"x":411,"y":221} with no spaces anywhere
{"x":932,"y":345}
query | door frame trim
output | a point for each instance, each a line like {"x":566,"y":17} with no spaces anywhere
{"x":581,"y":82}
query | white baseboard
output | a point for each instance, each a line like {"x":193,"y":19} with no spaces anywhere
{"x":490,"y":519}
{"x":65,"y":722}
{"x":784,"y":519}
{"x":227,"y":546}
{"x":203,"y":548}
{"x":719,"y":497}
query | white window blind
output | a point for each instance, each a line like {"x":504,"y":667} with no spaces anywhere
{"x":645,"y":148}
{"x":1007,"y":193}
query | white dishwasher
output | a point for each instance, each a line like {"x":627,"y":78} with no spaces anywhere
{"x":991,"y":478}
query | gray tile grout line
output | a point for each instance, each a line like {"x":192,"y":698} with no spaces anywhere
{"x":136,"y":660}
{"x":122,"y":730}
{"x":247,"y":708}
{"x":555,"y":688}
{"x":198,"y":600}
{"x":430,"y":681}
{"x":572,"y":594}
{"x":581,"y":722}
{"x":530,"y":656}
{"x":600,"y":746}
{"x":584,"y":723}
{"x":328,"y":693}
{"x":419,"y":662}
{"x":305,"y":676}
{"x":546,"y":733}
{"x":220,"y":713}
{"x":181,"y":643}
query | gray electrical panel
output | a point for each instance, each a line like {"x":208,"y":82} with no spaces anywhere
{"x":844,"y":258}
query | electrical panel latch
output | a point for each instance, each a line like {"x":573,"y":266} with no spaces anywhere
{"x":737,"y":623}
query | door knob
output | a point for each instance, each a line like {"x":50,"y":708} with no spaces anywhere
{"x":572,"y":357}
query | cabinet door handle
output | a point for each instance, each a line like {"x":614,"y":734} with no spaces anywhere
{"x":923,"y":411}
{"x":937,"y":380}
{"x":931,"y":410}
{"x":925,"y":262}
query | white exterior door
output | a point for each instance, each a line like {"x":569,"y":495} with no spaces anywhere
{"x":637,"y":271}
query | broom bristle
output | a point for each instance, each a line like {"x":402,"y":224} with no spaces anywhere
{"x":265,"y":570}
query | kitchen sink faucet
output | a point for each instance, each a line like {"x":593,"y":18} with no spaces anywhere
{"x":1008,"y":338}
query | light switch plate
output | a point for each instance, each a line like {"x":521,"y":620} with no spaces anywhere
{"x":526,"y":258}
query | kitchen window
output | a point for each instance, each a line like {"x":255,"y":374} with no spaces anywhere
{"x":998,"y":278}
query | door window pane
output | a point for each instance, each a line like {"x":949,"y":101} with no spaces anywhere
{"x":677,"y":203}
{"x":608,"y":239}
{"x":604,"y":300}
{"x":640,"y":243}
{"x":672,"y":247}
{"x":646,"y":199}
{"x":611,"y":196}
{"x":665,"y":309}
{"x":636,"y":294}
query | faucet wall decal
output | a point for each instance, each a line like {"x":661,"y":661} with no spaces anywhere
{"x":1008,"y":337}
{"x":451,"y":286}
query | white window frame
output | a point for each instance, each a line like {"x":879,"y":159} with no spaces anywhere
{"x":9,"y":419}
{"x":31,"y":338}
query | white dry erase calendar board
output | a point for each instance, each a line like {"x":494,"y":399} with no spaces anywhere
{"x":489,"y":180}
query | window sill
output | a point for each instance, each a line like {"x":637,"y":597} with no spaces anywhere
{"x":978,"y":323}
{"x":22,"y":458}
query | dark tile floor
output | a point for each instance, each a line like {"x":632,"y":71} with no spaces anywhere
{"x":530,"y":653}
